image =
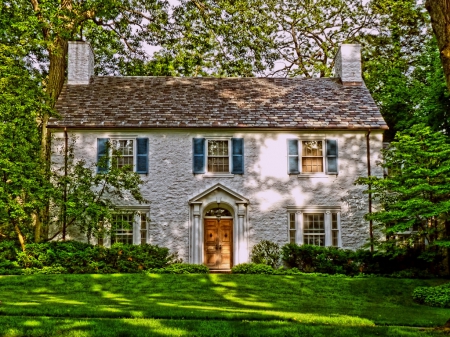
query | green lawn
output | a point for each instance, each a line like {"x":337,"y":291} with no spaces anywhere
{"x":213,"y":305}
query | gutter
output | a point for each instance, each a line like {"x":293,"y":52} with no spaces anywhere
{"x":370,"y":188}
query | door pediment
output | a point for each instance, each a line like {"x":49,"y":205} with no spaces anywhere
{"x":219,"y":190}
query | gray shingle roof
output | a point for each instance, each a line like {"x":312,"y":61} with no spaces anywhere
{"x":173,"y":102}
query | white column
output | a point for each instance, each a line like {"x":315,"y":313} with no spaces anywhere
{"x":196,"y":237}
{"x":242,"y":244}
{"x":327,"y":219}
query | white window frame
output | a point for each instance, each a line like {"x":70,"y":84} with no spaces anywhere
{"x":299,"y":211}
{"x":137,"y":212}
{"x":112,"y":139}
{"x":218,"y":174}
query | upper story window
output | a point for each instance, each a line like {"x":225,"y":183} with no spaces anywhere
{"x":130,"y":152}
{"x":217,"y":156}
{"x":312,"y":156}
{"x":123,"y":153}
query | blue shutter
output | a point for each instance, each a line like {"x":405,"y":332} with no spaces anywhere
{"x":293,"y":156}
{"x":142,"y":155}
{"x":332,"y":156}
{"x":198,"y":160}
{"x":237,"y":165}
{"x":102,"y":155}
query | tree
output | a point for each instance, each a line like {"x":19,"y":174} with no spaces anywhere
{"x":392,"y":59}
{"x":116,"y":29}
{"x":23,"y":189}
{"x":247,"y":38}
{"x":440,"y":20}
{"x":416,"y":192}
{"x":85,"y":199}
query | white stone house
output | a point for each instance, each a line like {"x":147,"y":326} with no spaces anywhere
{"x":275,"y":157}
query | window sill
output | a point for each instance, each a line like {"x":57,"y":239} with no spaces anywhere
{"x":313,"y":175}
{"x":218,"y":175}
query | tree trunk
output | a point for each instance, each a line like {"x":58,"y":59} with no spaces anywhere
{"x":439,"y":11}
{"x":56,"y":78}
{"x":20,"y":236}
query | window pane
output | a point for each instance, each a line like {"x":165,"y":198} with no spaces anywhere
{"x":334,"y":230}
{"x":312,"y":148}
{"x":123,"y":228}
{"x":292,"y":228}
{"x":313,"y":164}
{"x":221,"y":164}
{"x":218,"y":148}
{"x":292,"y":221}
{"x":314,"y":229}
{"x":143,"y":229}
{"x":334,"y":224}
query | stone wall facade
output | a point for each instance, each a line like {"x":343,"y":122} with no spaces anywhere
{"x":259,"y":199}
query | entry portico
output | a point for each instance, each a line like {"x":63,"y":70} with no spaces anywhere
{"x":207,"y":248}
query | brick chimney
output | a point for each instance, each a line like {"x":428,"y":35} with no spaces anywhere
{"x":347,"y":64}
{"x":80,"y":63}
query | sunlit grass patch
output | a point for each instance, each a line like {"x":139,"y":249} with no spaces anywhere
{"x":182,"y":303}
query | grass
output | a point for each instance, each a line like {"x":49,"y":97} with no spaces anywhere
{"x":213,"y":305}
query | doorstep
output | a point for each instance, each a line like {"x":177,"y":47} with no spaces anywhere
{"x":220,"y":271}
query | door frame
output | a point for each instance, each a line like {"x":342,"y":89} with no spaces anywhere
{"x":230,"y":200}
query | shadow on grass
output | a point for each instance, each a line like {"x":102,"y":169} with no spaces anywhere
{"x":208,"y":305}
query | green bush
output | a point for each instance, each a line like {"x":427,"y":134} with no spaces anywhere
{"x":433,"y":296}
{"x":331,"y":260}
{"x":82,"y":258}
{"x":252,"y":268}
{"x":180,"y":268}
{"x":8,"y":256}
{"x":266,"y":252}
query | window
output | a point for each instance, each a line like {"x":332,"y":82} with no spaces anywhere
{"x":217,"y":156}
{"x":130,"y":152}
{"x":312,"y":156}
{"x":319,"y":225}
{"x":314,"y":229}
{"x":123,"y":153}
{"x":130,"y":228}
{"x":122,"y":225}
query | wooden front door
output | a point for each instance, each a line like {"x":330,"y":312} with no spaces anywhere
{"x":218,"y":243}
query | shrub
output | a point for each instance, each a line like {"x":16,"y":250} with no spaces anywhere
{"x":329,"y":260}
{"x":180,"y":268}
{"x":82,"y":258}
{"x":433,"y":296}
{"x":8,"y":256}
{"x":252,"y":268}
{"x":266,"y":252}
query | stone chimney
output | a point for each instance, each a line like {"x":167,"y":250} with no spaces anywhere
{"x":347,"y":64}
{"x":80,"y":63}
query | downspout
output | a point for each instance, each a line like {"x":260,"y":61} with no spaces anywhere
{"x":370,"y":188}
{"x":65,"y":186}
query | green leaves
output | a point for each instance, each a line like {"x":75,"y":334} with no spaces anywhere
{"x":23,"y":188}
{"x":415,"y":196}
